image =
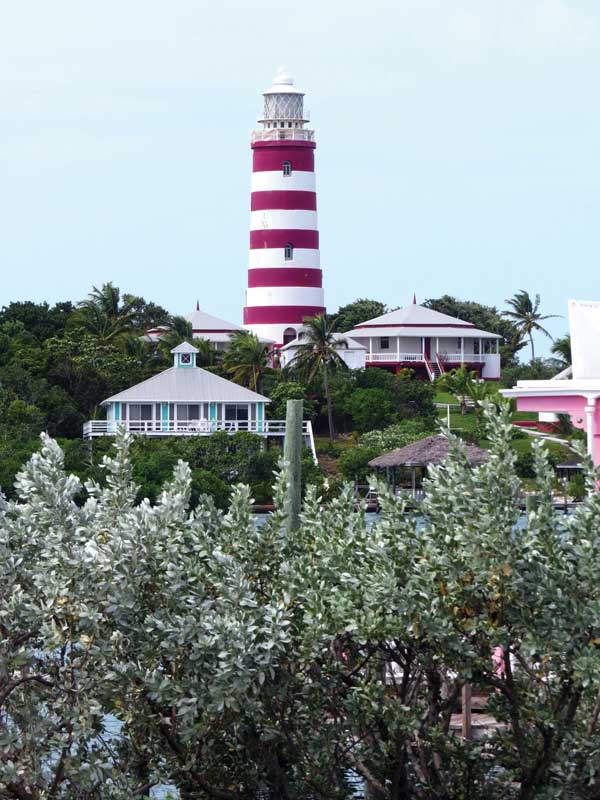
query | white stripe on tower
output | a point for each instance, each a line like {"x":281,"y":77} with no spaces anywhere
{"x":275,"y":181}
{"x":284,"y":275}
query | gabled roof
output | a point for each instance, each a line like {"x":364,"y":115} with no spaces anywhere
{"x":185,"y":347}
{"x":415,"y":320}
{"x":203,"y":322}
{"x":191,"y":385}
{"x":338,"y":337}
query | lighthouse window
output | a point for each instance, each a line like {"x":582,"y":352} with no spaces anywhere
{"x":287,"y":168}
{"x":289,"y":251}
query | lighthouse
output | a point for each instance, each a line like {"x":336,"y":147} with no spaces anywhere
{"x":285,"y":283}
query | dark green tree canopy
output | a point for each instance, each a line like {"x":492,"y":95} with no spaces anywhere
{"x":352,"y":314}
{"x":487,"y":318}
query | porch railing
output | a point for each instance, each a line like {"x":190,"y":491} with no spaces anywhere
{"x":268,"y":427}
{"x":416,"y":357}
{"x":446,"y":358}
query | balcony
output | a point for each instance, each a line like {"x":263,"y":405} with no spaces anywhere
{"x":446,"y":358}
{"x":94,"y":428}
{"x":283,"y":134}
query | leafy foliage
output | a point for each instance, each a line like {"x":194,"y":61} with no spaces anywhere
{"x":527,"y":317}
{"x":245,"y":360}
{"x":218,"y":648}
{"x":352,"y":314}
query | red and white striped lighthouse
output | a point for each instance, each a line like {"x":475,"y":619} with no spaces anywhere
{"x":284,"y":275}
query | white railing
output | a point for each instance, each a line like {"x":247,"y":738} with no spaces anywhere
{"x":416,"y":357}
{"x":445,"y":358}
{"x":467,"y":358}
{"x":283,"y":134}
{"x":268,"y":427}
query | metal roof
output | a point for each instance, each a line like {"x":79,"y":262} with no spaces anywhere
{"x":338,"y":337}
{"x":201,"y":321}
{"x":418,"y":331}
{"x":187,"y":385}
{"x":185,"y":347}
{"x":415,"y":320}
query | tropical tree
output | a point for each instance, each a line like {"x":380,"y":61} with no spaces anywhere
{"x":317,"y":354}
{"x":352,"y":314}
{"x":246,"y":359}
{"x":143,"y":645}
{"x":561,"y":347}
{"x":458,"y":382}
{"x":104,"y":314}
{"x":486,"y":318}
{"x":179,"y":330}
{"x":526,"y":314}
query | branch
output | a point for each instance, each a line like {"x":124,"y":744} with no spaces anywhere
{"x":12,"y":685}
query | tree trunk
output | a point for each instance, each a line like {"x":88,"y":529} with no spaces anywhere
{"x":532,"y":347}
{"x":328,"y":399}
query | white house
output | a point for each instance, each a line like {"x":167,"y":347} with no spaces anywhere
{"x":352,"y":353}
{"x":186,"y":400}
{"x":215,"y":330}
{"x":428,"y":342}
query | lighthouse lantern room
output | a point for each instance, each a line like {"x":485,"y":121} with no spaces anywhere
{"x":284,"y":276}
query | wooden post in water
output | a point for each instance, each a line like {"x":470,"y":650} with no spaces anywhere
{"x":292,"y":451}
{"x":466,"y":711}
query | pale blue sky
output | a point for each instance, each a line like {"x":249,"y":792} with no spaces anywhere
{"x":457,"y":146}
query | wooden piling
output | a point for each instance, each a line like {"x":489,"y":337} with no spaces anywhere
{"x":292,"y":452}
{"x":466,"y":711}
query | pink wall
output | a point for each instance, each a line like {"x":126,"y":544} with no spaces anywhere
{"x":574,"y":405}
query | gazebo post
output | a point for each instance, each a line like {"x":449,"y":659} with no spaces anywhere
{"x":414,"y":481}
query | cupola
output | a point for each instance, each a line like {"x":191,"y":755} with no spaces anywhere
{"x":184,"y":355}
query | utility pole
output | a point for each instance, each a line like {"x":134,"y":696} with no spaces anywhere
{"x":292,"y":451}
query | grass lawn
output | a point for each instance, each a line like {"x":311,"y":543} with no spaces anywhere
{"x":445,"y":397}
{"x":323,"y":443}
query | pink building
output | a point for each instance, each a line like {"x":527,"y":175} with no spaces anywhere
{"x":284,"y":275}
{"x":576,"y":391}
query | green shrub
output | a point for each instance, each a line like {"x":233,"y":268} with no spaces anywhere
{"x":576,"y":487}
{"x":354,"y":463}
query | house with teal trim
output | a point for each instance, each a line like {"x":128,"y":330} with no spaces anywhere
{"x":186,"y":400}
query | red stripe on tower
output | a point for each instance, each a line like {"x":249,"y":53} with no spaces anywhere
{"x":288,"y":289}
{"x":283,"y":276}
{"x":261,"y":201}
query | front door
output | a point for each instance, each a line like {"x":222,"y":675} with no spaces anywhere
{"x":427,"y":347}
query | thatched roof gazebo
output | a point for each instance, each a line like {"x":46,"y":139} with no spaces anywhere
{"x":422,"y":454}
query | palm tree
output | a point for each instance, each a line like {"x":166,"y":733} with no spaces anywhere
{"x":246,"y":359}
{"x":104,"y":314}
{"x":458,"y":382}
{"x":316,"y":353}
{"x":562,"y":349}
{"x":526,"y":314}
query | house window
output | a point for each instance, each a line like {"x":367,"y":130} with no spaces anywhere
{"x":186,"y":412}
{"x":384,"y":343}
{"x":140,"y":412}
{"x":186,"y":358}
{"x":289,"y":251}
{"x":287,"y":168}
{"x":236,"y":413}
